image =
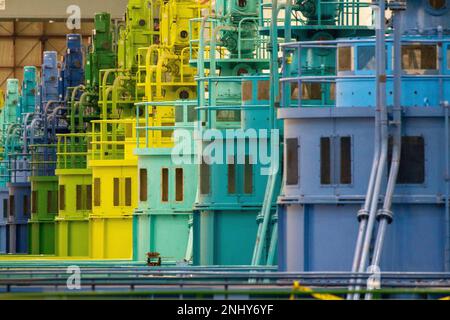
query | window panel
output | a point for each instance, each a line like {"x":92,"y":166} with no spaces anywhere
{"x":62,"y":198}
{"x":116,"y":195}
{"x":128,"y":192}
{"x":143,"y":177}
{"x":205,"y":178}
{"x":325,"y":161}
{"x":165,"y":185}
{"x":345,"y":59}
{"x":412,"y":160}
{"x":292,"y":158}
{"x":179,"y":184}
{"x":97,"y":190}
{"x":346,"y":160}
{"x":88,"y":197}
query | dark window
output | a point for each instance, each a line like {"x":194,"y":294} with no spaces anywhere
{"x":345,"y":59}
{"x":128,"y":192}
{"x":325,"y":160}
{"x":346,"y":160}
{"x":97,"y":201}
{"x":52,"y":202}
{"x":366,"y":58}
{"x":5,"y":208}
{"x":79,"y":198}
{"x":205,"y":178}
{"x":12,"y":206}
{"x":412,"y":160}
{"x":179,"y":184}
{"x":419,"y":57}
{"x":26,"y":205}
{"x":248,"y":176}
{"x":34,"y":201}
{"x":335,"y":160}
{"x":292,"y":158}
{"x":88,"y":197}
{"x":116,"y":184}
{"x":231,"y":178}
{"x":62,"y":198}
{"x":165,"y":185}
{"x":143,"y":184}
{"x":311,"y":91}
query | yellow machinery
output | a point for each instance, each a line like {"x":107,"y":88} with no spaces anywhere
{"x":162,"y":222}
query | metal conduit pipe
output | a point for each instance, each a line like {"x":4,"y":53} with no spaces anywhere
{"x":363,"y":214}
{"x":33,"y":127}
{"x":273,"y":178}
{"x":25,"y":131}
{"x":385,"y":215}
{"x":72,"y":102}
{"x":381,"y":108}
{"x":80,"y":107}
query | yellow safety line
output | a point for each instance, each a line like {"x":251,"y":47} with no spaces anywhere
{"x":319,"y":296}
{"x":445,"y":298}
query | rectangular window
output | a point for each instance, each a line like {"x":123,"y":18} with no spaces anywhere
{"x":205,"y":177}
{"x":419,"y":57}
{"x":248,"y":175}
{"x":128,"y":192}
{"x":325,"y":160}
{"x":311,"y":91}
{"x":232,"y":178}
{"x":346,"y":160}
{"x":97,"y":198}
{"x":12,"y":206}
{"x":5,"y":208}
{"x":448,"y":58}
{"x":52,"y":202}
{"x":335,"y":160}
{"x":26,"y":205}
{"x":79,"y":198}
{"x":179,"y":184}
{"x":345,"y":58}
{"x":88,"y":197}
{"x":165,"y":185}
{"x":366,"y":58}
{"x":34,"y":201}
{"x":62,"y":198}
{"x":143,"y":184}
{"x":412,"y":160}
{"x":292,"y":165}
{"x":228,"y":116}
{"x":116,"y":197}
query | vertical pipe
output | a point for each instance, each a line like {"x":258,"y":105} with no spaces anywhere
{"x":385,"y":215}
{"x":381,"y":109}
{"x":363,"y":214}
{"x":447,"y":191}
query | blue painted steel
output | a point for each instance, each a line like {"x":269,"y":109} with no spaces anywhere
{"x":19,"y":168}
{"x":317,"y":220}
{"x":72,"y":70}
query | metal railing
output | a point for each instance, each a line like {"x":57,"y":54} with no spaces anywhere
{"x":73,"y":150}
